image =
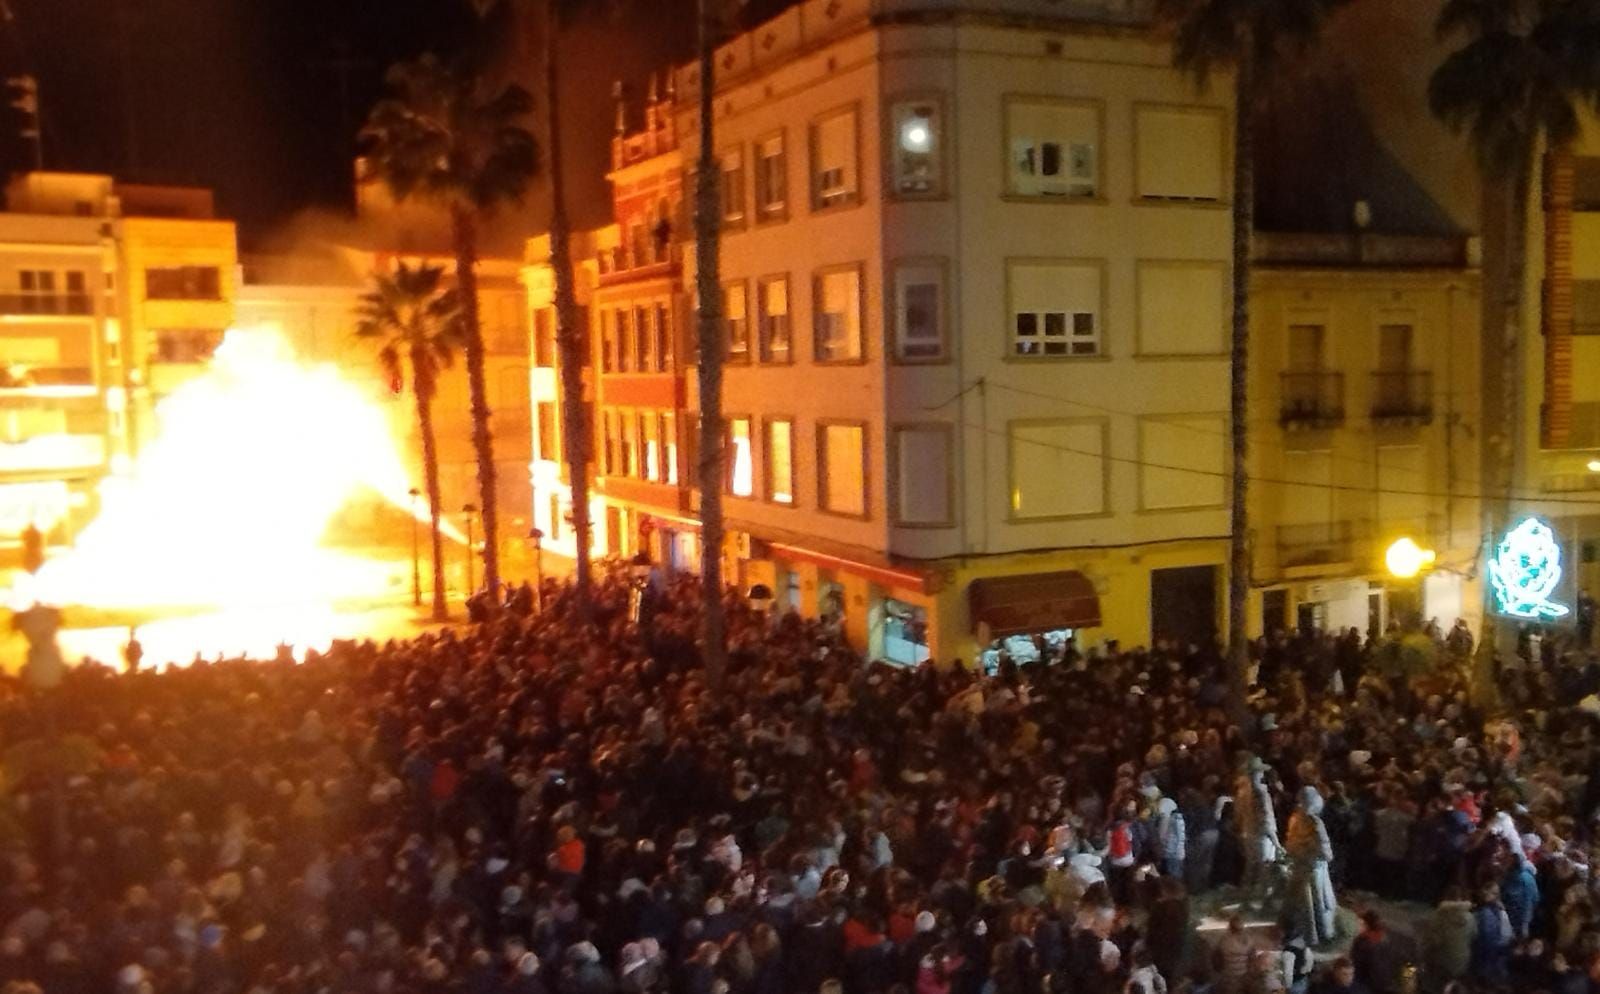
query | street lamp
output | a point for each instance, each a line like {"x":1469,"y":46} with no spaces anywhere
{"x":1405,"y":558}
{"x":416,"y":552}
{"x":536,"y":536}
{"x":469,"y":510}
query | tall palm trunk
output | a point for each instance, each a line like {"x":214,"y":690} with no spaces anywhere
{"x":707,"y":223}
{"x":465,"y":232}
{"x":1239,"y":377}
{"x":430,"y":473}
{"x":1508,"y":348}
{"x":569,"y":331}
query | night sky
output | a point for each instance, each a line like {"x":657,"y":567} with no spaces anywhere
{"x":259,"y":99}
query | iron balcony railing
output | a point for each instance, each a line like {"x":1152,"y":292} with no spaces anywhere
{"x":1402,"y":395}
{"x":1312,"y":399}
{"x":1319,"y":544}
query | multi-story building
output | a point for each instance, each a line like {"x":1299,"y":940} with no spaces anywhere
{"x":1366,"y":428}
{"x":975,"y":267}
{"x":113,"y":292}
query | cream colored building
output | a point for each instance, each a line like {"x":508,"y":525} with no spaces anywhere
{"x":975,"y":266}
{"x":112,"y":293}
{"x":1365,"y":428}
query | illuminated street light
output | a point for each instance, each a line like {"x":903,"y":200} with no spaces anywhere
{"x":1405,"y":558}
{"x":1594,"y":465}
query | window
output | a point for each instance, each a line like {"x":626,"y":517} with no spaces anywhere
{"x":1055,"y":309}
{"x":624,"y":341}
{"x":1183,"y":308}
{"x":1180,"y":153}
{"x":1305,"y":347}
{"x":834,"y":166}
{"x":843,"y":468}
{"x":732,"y":187}
{"x":608,"y":341}
{"x":736,"y":319}
{"x":772,"y":301}
{"x":38,"y":291}
{"x":627,"y":438}
{"x":1394,"y":348}
{"x":771,"y":179}
{"x":919,"y":312}
{"x":1052,"y":148}
{"x":650,"y":432}
{"x":1183,"y":461}
{"x":669,"y":446}
{"x":183,"y":283}
{"x":740,"y":463}
{"x":663,"y":332}
{"x":917,"y":144}
{"x":922,"y":475}
{"x":780,"y":461}
{"x":837,"y":332}
{"x":545,"y":416}
{"x":186,"y":345}
{"x":643,"y":341}
{"x":1058,"y":468}
{"x":544,"y":337}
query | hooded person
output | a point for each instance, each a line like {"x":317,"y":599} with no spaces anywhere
{"x":1171,"y":837}
{"x":1309,"y":902}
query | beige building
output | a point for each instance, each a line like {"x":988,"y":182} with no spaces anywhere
{"x":976,"y":276}
{"x":113,"y":293}
{"x":1365,"y":428}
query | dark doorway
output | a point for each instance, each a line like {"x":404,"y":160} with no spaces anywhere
{"x":1274,"y":611}
{"x":1183,"y":605}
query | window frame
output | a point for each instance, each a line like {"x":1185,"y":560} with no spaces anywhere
{"x":1106,"y":508}
{"x":765,"y":214}
{"x":750,"y":421}
{"x":767,"y":489}
{"x":1102,"y":327}
{"x":892,"y":301}
{"x":892,"y":474}
{"x":1139,"y":268}
{"x":1143,"y":506}
{"x":735,"y":220}
{"x":814,"y":197}
{"x":1225,"y":135}
{"x":891,"y":145}
{"x":763,"y":352}
{"x":818,"y":276}
{"x":823,"y":424}
{"x":729,"y":356}
{"x":1095,"y":105}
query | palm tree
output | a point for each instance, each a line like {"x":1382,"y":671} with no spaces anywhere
{"x":445,"y":136}
{"x":1251,"y":36}
{"x":417,"y":326}
{"x":1516,"y":85}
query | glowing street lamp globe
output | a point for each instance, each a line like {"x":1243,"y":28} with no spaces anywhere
{"x":1405,"y":558}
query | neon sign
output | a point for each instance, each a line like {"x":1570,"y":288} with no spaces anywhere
{"x":1525,"y":570}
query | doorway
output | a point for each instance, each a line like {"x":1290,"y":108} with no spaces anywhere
{"x":1183,"y":605}
{"x":1274,"y":611}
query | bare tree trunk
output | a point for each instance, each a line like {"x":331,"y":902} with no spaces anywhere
{"x":577,"y":434}
{"x":430,"y":472}
{"x":1239,"y":381}
{"x":707,"y":223}
{"x":466,"y":247}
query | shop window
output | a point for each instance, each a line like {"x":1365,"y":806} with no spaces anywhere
{"x":905,"y":634}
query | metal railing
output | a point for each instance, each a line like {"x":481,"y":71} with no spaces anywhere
{"x":1317,"y":544}
{"x":1311,"y":399}
{"x":46,"y":303}
{"x":1402,"y":395}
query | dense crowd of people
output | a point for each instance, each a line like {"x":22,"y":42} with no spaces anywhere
{"x":536,"y":805}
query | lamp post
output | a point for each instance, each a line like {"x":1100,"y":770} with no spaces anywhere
{"x":469,"y":510}
{"x":416,"y":552}
{"x":536,"y":536}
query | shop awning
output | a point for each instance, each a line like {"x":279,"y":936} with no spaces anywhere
{"x":1038,"y":602}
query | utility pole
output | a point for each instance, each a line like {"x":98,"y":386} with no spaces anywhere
{"x":25,"y":100}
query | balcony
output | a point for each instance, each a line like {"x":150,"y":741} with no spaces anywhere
{"x":650,"y":257}
{"x":1402,"y":397}
{"x":71,"y":304}
{"x":1312,"y":399}
{"x":1321,"y":544}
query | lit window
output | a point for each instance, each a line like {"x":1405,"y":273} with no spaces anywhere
{"x":624,"y":342}
{"x":608,"y":341}
{"x":771,"y":179}
{"x":544,"y":337}
{"x":917,"y":147}
{"x":834,"y":168}
{"x":546,"y":416}
{"x":650,"y":427}
{"x":780,"y":462}
{"x":837,"y":332}
{"x":843,"y":470}
{"x":732,"y":188}
{"x":663,"y":329}
{"x":1053,"y":149}
{"x":919,"y":307}
{"x":741,"y":461}
{"x":1054,"y":309}
{"x":630,"y":456}
{"x":669,"y":446}
{"x":608,"y":439}
{"x":1058,"y":468}
{"x":772,"y":298}
{"x":736,"y":319}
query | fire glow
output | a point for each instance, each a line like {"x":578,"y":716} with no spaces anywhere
{"x":227,"y":507}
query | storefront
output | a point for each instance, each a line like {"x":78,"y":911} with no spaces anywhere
{"x":1020,"y":615}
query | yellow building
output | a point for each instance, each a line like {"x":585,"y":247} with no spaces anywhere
{"x":1365,"y":428}
{"x":111,"y":292}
